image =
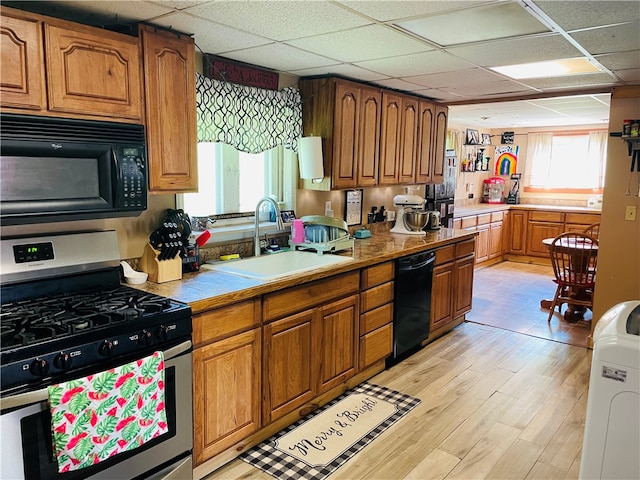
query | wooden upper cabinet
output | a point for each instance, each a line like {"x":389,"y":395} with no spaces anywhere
{"x":390,"y":139}
{"x":439,"y":143}
{"x":22,"y":63}
{"x":409,"y":144}
{"x":369,"y":137}
{"x":93,"y":73}
{"x":425,"y":155}
{"x":345,"y":139}
{"x":170,"y":93}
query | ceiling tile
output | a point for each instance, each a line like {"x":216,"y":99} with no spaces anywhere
{"x":516,"y":51}
{"x":572,"y":81}
{"x":440,"y":95}
{"x":364,"y":43}
{"x":280,"y":20}
{"x":279,"y":57}
{"x":470,"y":25}
{"x":410,"y":65}
{"x":214,"y":38}
{"x":343,"y":69}
{"x":399,"y":84}
{"x":385,"y":10}
{"x":179,"y":4}
{"x":631,"y":75}
{"x":504,"y":86}
{"x":472,"y":76}
{"x":620,"y":61}
{"x":610,"y":39}
{"x":571,"y":15}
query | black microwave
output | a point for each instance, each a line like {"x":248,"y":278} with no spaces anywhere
{"x":58,"y":169}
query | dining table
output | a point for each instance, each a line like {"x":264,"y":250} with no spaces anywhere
{"x":576,"y":249}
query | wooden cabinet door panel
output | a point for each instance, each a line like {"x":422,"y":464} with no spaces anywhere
{"x":376,"y":345}
{"x":93,"y":74}
{"x":538,"y":231}
{"x":390,"y":139}
{"x":495,"y":239}
{"x":337,"y":332}
{"x":345,"y":149}
{"x":463,"y":296}
{"x":482,"y":244}
{"x":518,"y":226}
{"x":424,"y":161}
{"x":369,"y":138}
{"x":409,"y":141}
{"x":22,"y":64}
{"x":441,"y":295}
{"x":170,"y":92}
{"x":439,"y":144}
{"x":290,"y":364}
{"x":227,"y":393}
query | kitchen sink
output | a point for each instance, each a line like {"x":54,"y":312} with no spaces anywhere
{"x":277,"y":265}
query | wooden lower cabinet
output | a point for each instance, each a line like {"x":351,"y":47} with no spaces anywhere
{"x":452,"y":287}
{"x":227,"y":393}
{"x":482,"y":243}
{"x":307,"y":354}
{"x":538,"y":231}
{"x":518,"y":230}
{"x":337,"y":336}
{"x":290,"y":364}
{"x":495,"y":239}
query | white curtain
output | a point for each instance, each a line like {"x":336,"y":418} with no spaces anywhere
{"x":597,"y":152}
{"x":538,"y":162}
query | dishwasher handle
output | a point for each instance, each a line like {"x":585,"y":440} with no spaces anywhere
{"x":407,"y":266}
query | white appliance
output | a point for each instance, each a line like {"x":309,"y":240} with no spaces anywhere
{"x":611,"y":443}
{"x":406,"y":204}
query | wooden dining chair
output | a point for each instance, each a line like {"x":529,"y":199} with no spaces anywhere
{"x":593,"y":230}
{"x":574,"y":259}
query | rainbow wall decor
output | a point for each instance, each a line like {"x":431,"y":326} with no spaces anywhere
{"x":506,"y":160}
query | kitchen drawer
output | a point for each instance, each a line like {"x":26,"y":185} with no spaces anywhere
{"x":376,"y":275}
{"x":585,"y":219}
{"x":467,"y":222}
{"x":465,"y":248}
{"x":445,"y":254}
{"x":537,"y":216}
{"x":484,"y":219}
{"x":225,"y":321}
{"x":497,"y":216}
{"x":295,"y":299}
{"x":457,"y":223}
{"x":376,"y":318}
{"x":376,"y":296}
{"x":376,"y":345}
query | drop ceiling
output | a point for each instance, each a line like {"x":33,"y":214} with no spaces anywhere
{"x":438,"y":49}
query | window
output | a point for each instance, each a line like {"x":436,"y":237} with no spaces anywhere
{"x":571,"y":162}
{"x":231,"y":182}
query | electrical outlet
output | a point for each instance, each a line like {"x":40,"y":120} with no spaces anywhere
{"x":630,"y":213}
{"x":471,"y":195}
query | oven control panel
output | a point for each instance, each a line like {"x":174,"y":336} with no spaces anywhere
{"x":93,"y":356}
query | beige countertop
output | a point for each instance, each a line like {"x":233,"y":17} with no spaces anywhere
{"x":496,"y":207}
{"x":208,"y":289}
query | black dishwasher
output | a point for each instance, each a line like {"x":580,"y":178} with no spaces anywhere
{"x":412,"y":303}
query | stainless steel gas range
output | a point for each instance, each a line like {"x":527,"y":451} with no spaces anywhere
{"x":65,"y":316}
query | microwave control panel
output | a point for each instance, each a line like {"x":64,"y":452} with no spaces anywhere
{"x":132,"y":191}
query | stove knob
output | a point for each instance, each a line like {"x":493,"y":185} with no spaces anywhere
{"x":39,"y":367}
{"x":106,"y":349}
{"x":144,"y":338}
{"x":62,"y":361}
{"x":163,"y":332}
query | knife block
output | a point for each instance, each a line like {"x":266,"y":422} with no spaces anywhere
{"x":160,"y":271}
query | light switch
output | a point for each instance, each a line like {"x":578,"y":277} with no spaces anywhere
{"x":630,"y":213}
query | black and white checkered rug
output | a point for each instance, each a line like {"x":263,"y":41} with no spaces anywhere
{"x":316,"y":445}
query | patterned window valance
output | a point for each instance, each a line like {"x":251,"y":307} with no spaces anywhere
{"x":251,"y":119}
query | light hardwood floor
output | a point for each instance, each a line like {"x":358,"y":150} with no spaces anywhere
{"x":496,"y":403}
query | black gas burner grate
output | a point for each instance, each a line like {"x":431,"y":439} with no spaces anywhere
{"x":28,"y":322}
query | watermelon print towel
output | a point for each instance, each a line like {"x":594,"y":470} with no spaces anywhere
{"x":96,"y":417}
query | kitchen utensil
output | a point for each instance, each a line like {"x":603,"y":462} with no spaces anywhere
{"x":203,"y":238}
{"x":131,"y":276}
{"x":415,"y":220}
{"x":407,"y":205}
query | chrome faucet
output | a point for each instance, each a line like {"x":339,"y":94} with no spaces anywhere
{"x":279,"y":224}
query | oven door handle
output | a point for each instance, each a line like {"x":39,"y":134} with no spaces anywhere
{"x":27,"y":398}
